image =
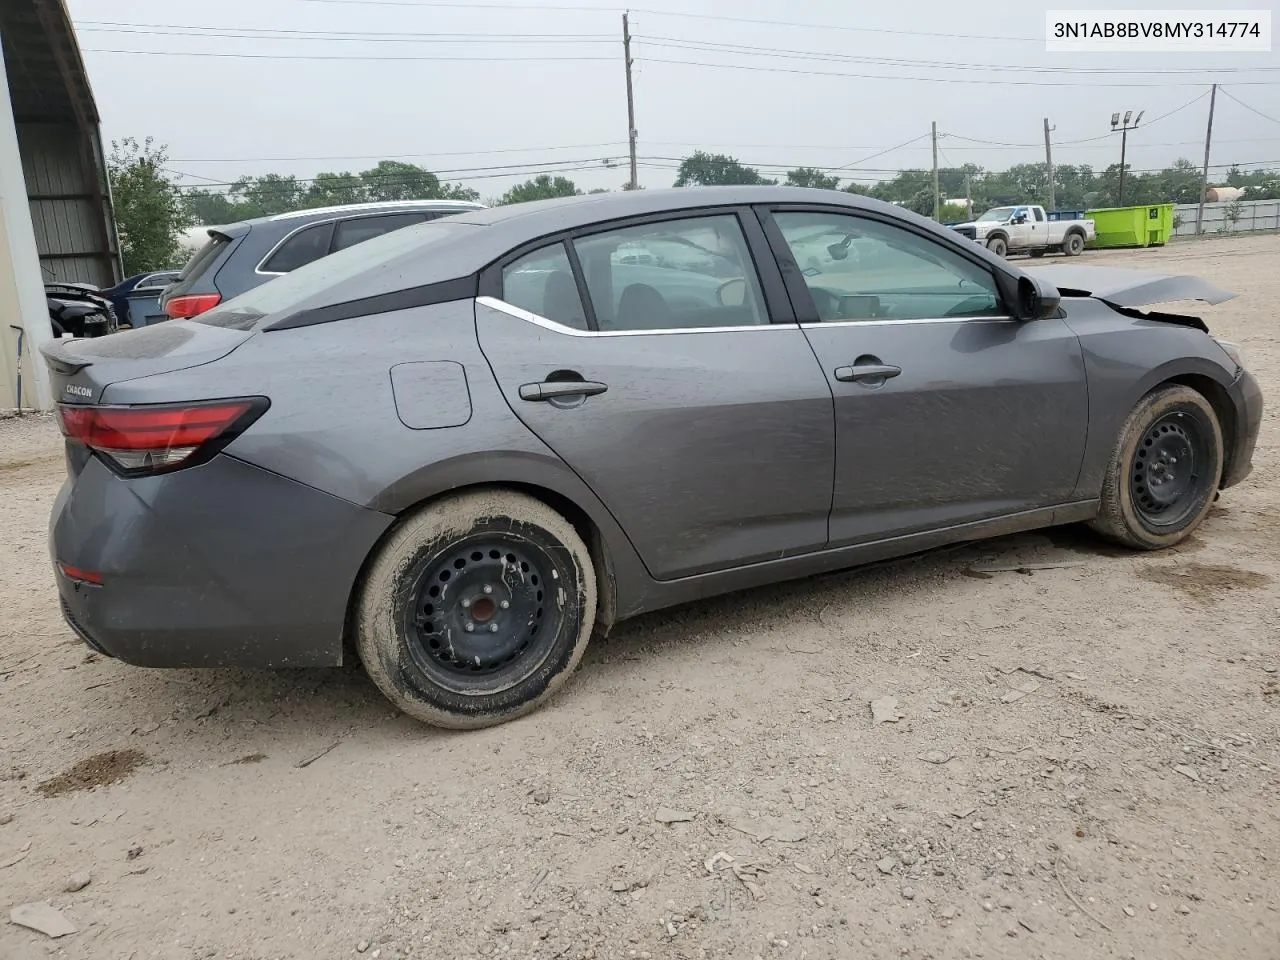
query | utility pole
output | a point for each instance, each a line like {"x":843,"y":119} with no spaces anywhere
{"x":1204,"y":173}
{"x":1048,"y":162}
{"x":968,"y":199}
{"x":632,"y":184}
{"x":937,"y":197}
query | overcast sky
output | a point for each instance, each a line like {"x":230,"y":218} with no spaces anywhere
{"x":499,"y":83}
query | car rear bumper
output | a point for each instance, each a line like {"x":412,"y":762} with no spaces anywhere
{"x":224,"y":564}
{"x":1246,"y":395}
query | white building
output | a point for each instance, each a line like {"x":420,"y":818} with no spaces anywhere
{"x":56,"y":221}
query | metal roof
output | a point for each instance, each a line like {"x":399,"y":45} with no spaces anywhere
{"x":47,"y":77}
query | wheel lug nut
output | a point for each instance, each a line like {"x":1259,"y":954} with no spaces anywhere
{"x":493,"y":628}
{"x":505,"y":604}
{"x":469,"y":627}
{"x":488,"y":589}
{"x":466,"y":604}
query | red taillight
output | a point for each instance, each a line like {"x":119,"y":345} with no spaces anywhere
{"x":192,"y":305}
{"x":149,"y":439}
{"x":84,"y":576}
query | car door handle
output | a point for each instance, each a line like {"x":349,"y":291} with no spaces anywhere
{"x":867,"y":371}
{"x":561,"y":389}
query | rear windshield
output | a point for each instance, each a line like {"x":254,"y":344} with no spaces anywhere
{"x":309,"y":282}
{"x":205,"y":256}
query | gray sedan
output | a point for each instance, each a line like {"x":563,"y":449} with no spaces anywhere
{"x":464,"y":447}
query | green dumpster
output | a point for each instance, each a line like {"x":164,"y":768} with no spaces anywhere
{"x":1149,"y":226}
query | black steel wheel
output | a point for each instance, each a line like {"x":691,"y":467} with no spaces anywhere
{"x":483,"y":615}
{"x":1168,"y":475}
{"x":476,"y":609}
{"x":1164,"y":471}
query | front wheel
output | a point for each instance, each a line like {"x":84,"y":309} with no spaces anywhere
{"x":477,"y":609}
{"x":1164,"y":470}
{"x":998,"y":245}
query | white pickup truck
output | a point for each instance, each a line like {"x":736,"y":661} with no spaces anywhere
{"x":1027,"y":229}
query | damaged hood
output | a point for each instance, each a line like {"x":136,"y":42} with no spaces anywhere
{"x":1128,"y":288}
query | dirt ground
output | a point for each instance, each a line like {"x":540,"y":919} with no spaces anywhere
{"x":1084,"y":762}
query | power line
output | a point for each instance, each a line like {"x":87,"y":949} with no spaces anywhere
{"x":398,"y":156}
{"x":101,"y":25}
{"x":880,"y":76}
{"x":1068,"y":143}
{"x":907,"y":143}
{"x":709,"y":46}
{"x":1264,"y":116}
{"x":456,"y":4}
{"x":471,"y":173}
{"x":380,"y":58}
{"x":314,"y":37}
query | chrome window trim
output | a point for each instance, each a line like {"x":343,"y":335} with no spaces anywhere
{"x":285,"y":239}
{"x":898,"y":321}
{"x":359,"y":215}
{"x":511,"y":310}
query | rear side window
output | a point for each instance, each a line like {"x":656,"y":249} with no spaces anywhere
{"x":321,"y":283}
{"x":350,"y":232}
{"x":542,"y":283}
{"x":308,"y":244}
{"x":204,"y":257}
{"x":1039,"y":214}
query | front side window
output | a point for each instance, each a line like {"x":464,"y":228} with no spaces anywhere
{"x":542,"y":283}
{"x":862,"y":269}
{"x":675,"y":274}
{"x":305,"y":246}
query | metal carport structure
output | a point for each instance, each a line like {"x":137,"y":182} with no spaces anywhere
{"x":56,"y":221}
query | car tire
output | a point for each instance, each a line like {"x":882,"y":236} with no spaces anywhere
{"x":998,"y":245}
{"x":476,"y":609}
{"x":1164,"y":471}
{"x":1073,"y":245}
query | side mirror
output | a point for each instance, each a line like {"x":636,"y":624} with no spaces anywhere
{"x":1037,"y":299}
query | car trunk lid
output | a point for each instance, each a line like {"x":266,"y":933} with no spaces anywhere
{"x":83,"y":368}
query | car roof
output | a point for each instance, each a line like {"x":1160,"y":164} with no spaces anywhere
{"x":541,"y":217}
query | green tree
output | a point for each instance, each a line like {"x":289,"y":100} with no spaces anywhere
{"x":541,"y":187}
{"x":335,"y":189}
{"x":148,"y":206}
{"x":1266,"y":190}
{"x":209,"y":207}
{"x":392,"y":180}
{"x":1179,"y":183}
{"x":456,"y":191}
{"x":266,"y":195}
{"x":716,"y":169}
{"x":812,"y":177}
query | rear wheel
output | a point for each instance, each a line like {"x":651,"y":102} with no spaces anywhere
{"x":1073,"y":245}
{"x":1164,"y":470}
{"x":998,"y":245}
{"x":477,"y":609}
